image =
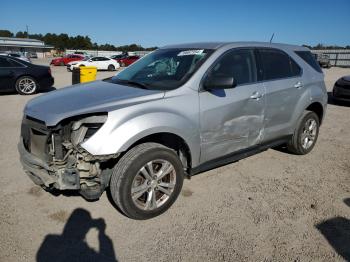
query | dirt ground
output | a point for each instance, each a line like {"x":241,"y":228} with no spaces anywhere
{"x":272,"y":206}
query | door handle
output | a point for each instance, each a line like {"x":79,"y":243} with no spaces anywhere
{"x":256,"y":96}
{"x":298,"y":84}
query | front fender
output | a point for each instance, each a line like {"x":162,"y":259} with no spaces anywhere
{"x":118,"y":134}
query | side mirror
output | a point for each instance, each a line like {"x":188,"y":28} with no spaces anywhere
{"x":222,"y":82}
{"x":90,"y":60}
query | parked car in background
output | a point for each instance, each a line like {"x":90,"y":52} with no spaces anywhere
{"x":324,"y":60}
{"x":101,"y":62}
{"x":60,"y":61}
{"x":18,"y":56}
{"x":126,"y":61}
{"x":81,"y":53}
{"x":23,"y":77}
{"x":341,"y":89}
{"x":181,"y":110}
{"x":117,"y":57}
{"x":32,"y":55}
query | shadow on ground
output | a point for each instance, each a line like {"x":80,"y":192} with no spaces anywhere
{"x":337,"y":233}
{"x":71,"y":244}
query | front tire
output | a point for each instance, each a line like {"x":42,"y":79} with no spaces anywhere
{"x":146,"y":181}
{"x":26,"y":85}
{"x":305,"y":135}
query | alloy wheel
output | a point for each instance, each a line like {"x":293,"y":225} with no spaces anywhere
{"x":27,"y":85}
{"x":153,"y":184}
{"x":309,"y":133}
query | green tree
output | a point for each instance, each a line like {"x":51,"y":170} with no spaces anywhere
{"x":6,"y":33}
{"x":21,"y":34}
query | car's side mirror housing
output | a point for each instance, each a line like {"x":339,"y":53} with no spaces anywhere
{"x":222,"y":82}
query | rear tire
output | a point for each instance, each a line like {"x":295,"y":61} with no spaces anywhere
{"x":305,"y":135}
{"x":26,"y":85}
{"x":146,"y":181}
{"x":111,"y":68}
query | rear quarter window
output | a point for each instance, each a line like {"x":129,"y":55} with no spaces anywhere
{"x":276,"y":64}
{"x":309,"y":58}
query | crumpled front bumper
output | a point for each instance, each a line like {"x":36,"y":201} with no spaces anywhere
{"x":44,"y":175}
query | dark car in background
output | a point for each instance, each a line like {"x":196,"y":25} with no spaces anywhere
{"x":23,"y":77}
{"x":118,"y":57}
{"x":128,"y":60}
{"x":341,"y":89}
{"x":60,"y":61}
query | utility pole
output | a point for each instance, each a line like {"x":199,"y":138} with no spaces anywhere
{"x":27,"y":31}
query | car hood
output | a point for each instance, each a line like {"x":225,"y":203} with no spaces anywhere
{"x":94,"y":97}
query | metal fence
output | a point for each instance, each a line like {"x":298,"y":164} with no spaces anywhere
{"x":106,"y":53}
{"x":338,"y":57}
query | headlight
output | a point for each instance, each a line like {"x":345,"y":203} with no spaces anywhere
{"x":85,"y":128}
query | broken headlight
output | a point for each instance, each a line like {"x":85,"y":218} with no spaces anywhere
{"x":86,"y":127}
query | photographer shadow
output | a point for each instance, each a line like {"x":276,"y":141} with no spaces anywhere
{"x":71,"y":244}
{"x":337,"y":232}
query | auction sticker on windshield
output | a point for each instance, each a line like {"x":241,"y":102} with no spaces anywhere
{"x":190,"y":52}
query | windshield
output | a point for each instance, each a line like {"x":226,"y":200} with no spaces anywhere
{"x":163,"y":69}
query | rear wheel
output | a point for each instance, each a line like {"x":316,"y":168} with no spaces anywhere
{"x":305,"y":135}
{"x":146,"y":181}
{"x":26,"y":85}
{"x":111,"y":68}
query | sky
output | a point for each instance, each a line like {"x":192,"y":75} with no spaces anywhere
{"x":157,"y":23}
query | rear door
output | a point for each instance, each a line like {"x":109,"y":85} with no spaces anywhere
{"x":7,"y":74}
{"x":232,"y":119}
{"x":282,"y":78}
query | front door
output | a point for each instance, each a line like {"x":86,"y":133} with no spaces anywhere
{"x":232,"y":119}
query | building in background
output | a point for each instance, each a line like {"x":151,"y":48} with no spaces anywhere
{"x":24,"y":45}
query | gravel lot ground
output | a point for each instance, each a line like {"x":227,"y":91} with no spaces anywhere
{"x":272,"y":206}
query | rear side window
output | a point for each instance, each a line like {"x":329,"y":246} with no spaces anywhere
{"x":310,"y":59}
{"x":4,"y":62}
{"x":277,"y":64}
{"x":15,"y":63}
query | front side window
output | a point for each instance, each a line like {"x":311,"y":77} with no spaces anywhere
{"x":163,"y":69}
{"x":239,"y":64}
{"x":277,"y":64}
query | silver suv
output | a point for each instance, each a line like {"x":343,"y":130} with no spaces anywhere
{"x":176,"y":112}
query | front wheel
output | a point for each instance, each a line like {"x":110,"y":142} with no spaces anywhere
{"x":146,"y":181}
{"x":305,"y":135}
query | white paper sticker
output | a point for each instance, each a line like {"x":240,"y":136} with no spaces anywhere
{"x":190,"y":52}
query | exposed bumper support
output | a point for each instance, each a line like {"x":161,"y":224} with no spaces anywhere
{"x":44,"y":175}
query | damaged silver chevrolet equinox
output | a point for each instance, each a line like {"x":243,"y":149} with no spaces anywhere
{"x":176,"y":112}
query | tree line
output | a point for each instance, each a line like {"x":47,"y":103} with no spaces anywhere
{"x":62,"y":42}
